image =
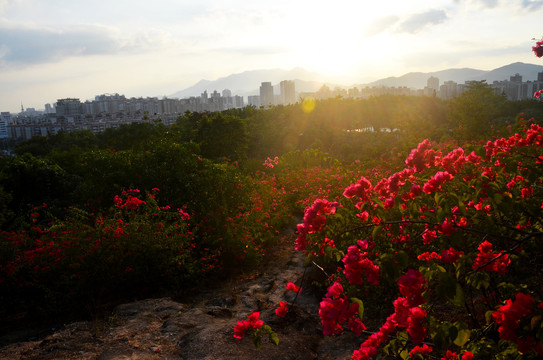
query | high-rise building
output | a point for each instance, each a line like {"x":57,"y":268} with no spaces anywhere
{"x":226,"y":93}
{"x":254,"y":100}
{"x":517,"y":78}
{"x":266,"y":94}
{"x":288,"y":92}
{"x":5,"y":119}
{"x":69,"y":106}
{"x":433,"y":83}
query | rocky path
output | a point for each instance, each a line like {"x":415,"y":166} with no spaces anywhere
{"x":202,"y":328}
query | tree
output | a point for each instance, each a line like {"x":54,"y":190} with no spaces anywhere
{"x":470,"y":113}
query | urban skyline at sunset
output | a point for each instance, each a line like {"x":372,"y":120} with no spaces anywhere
{"x":55,"y":49}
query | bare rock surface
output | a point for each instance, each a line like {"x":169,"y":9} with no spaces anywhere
{"x":203,"y":326}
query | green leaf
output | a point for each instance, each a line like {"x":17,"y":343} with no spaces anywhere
{"x":453,"y":332}
{"x":274,"y":339}
{"x":360,"y":307}
{"x":459,"y":297}
{"x":462,"y":336}
{"x":479,"y":280}
{"x":257,"y":340}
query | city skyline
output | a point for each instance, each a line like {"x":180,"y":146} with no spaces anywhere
{"x":56,"y":49}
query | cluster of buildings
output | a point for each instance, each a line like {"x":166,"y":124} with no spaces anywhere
{"x":113,"y":110}
{"x":514,"y":88}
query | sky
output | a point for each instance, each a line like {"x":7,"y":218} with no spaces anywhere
{"x":53,"y":49}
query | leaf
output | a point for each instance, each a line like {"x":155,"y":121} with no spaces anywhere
{"x":360,"y":307}
{"x":463,"y":334}
{"x":274,"y":339}
{"x":488,"y":316}
{"x":459,"y":297}
{"x":453,"y":332}
{"x":257,"y":340}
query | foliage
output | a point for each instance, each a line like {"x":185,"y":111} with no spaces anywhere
{"x":457,"y":233}
{"x":472,"y":112}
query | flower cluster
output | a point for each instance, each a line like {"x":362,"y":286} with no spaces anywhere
{"x":270,"y":163}
{"x":335,"y":310}
{"x":314,"y":220}
{"x":538,"y":49}
{"x":252,"y":322}
{"x":488,"y":261}
{"x":362,"y":188}
{"x":449,"y":256}
{"x":407,"y":315}
{"x":281,"y":311}
{"x":435,"y":182}
{"x":357,"y":264}
{"x":508,"y":316}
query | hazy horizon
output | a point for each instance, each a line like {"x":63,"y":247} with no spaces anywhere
{"x":55,"y":49}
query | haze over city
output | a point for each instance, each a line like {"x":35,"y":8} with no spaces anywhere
{"x":55,"y":49}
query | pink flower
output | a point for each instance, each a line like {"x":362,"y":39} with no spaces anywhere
{"x":422,"y":350}
{"x":252,"y":322}
{"x":411,"y":284}
{"x":281,"y":311}
{"x":362,"y":189}
{"x":335,"y":290}
{"x":291,"y":286}
{"x":357,"y":264}
{"x":538,"y":49}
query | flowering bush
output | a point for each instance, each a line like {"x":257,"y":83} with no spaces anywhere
{"x":449,"y":229}
{"x":136,"y":247}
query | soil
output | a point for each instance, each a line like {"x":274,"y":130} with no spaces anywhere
{"x":202,"y":327}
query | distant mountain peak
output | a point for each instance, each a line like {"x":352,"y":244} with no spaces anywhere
{"x":248,"y":82}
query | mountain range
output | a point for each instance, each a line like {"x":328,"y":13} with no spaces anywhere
{"x":248,"y":82}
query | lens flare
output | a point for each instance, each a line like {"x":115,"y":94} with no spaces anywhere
{"x":308,"y":105}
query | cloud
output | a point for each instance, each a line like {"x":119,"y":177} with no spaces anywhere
{"x":253,"y":50}
{"x":417,"y":22}
{"x":531,"y":5}
{"x":380,"y":25}
{"x":489,"y":4}
{"x":23,"y":46}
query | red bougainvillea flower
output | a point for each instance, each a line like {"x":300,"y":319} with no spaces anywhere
{"x":357,"y":264}
{"x":485,"y":259}
{"x":538,"y":49}
{"x":292,"y":287}
{"x":335,"y":291}
{"x":281,"y":311}
{"x":415,"y":329}
{"x":450,"y":355}
{"x":411,"y":286}
{"x":422,"y":350}
{"x":539,"y":93}
{"x":252,"y":322}
{"x":362,"y":189}
{"x":335,"y":312}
